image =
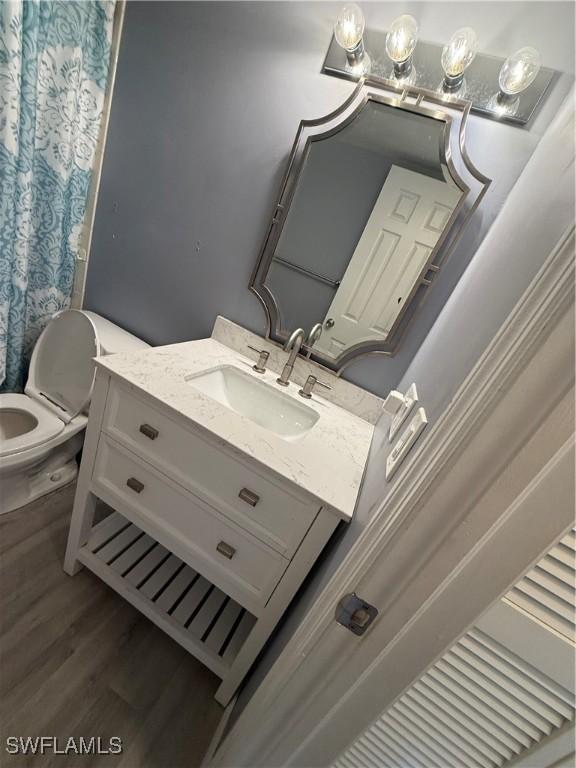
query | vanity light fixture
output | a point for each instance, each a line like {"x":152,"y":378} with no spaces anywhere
{"x":457,"y":55}
{"x":400,"y":43}
{"x":348,"y":31}
{"x":517,"y":73}
{"x":454,"y":71}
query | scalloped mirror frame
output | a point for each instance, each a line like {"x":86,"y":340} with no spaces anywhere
{"x":473,"y":184}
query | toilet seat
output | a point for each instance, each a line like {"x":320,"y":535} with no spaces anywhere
{"x":47,"y":427}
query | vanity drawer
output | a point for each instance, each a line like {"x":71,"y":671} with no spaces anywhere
{"x":277,"y":515}
{"x":240,"y":565}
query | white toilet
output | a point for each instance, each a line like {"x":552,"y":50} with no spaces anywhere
{"x":42,"y":430}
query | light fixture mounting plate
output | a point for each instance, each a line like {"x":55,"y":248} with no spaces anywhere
{"x":480,"y":79}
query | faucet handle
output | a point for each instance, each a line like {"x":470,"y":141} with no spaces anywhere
{"x":263,"y":355}
{"x":309,"y":385}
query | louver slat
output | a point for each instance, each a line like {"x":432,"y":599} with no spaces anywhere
{"x":502,"y":743}
{"x":480,"y":748}
{"x":479,"y":706}
{"x":423,"y":753}
{"x":547,"y":592}
{"x":475,"y":733}
{"x":505,"y":728}
{"x":344,"y":762}
{"x":375,"y":759}
{"x":559,"y":570}
{"x":550,"y":601}
{"x":440,"y":740}
{"x":436,"y":756}
{"x":551,"y":584}
{"x":401,"y":750}
{"x":523,"y":730}
{"x":542,"y":688}
{"x":563,"y":554}
{"x":570,"y":540}
{"x":500,"y":697}
{"x":550,"y":618}
{"x":534,"y":710}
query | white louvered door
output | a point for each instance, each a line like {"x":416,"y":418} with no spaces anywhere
{"x":547,"y":591}
{"x":498,"y":692}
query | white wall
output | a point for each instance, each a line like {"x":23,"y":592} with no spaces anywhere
{"x":502,"y":27}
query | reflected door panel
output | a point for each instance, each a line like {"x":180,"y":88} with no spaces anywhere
{"x":406,"y":222}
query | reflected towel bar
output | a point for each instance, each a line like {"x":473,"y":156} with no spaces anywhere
{"x":304,"y":271}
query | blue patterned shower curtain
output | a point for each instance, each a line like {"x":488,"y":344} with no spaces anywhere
{"x":54,"y":60}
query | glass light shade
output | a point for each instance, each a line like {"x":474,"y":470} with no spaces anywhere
{"x":459,"y":52}
{"x":349,"y":27}
{"x":402,"y":38}
{"x":519,"y":71}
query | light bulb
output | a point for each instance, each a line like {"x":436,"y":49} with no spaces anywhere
{"x":519,"y":71}
{"x":457,"y":55}
{"x":348,"y":31}
{"x":401,"y":41}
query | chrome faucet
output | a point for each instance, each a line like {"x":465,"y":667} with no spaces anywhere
{"x":293,"y":346}
{"x":313,"y":336}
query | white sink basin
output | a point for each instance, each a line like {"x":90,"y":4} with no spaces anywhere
{"x":260,"y":402}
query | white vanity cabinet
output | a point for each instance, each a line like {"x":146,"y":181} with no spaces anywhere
{"x":207,"y":543}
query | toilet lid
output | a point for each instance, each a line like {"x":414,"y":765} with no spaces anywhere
{"x":62,"y":367}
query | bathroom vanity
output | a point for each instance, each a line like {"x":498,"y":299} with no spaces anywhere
{"x":227,"y":479}
{"x":225,"y":489}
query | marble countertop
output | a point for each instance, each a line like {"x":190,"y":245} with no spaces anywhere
{"x":327,"y":462}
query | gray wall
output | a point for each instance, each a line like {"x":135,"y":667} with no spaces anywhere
{"x":207,"y":101}
{"x":323,"y":227}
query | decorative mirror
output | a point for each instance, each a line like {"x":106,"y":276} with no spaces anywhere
{"x":374,"y":198}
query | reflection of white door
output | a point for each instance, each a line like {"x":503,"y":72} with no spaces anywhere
{"x":404,"y":226}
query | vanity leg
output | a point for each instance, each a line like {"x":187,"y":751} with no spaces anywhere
{"x":317,"y":537}
{"x":84,"y":501}
{"x":80,"y":527}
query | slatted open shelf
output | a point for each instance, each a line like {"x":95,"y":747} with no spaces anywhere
{"x":183,"y":603}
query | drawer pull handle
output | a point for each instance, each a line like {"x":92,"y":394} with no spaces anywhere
{"x":249,"y":497}
{"x":226,"y":550}
{"x":149,"y":431}
{"x":135,"y":485}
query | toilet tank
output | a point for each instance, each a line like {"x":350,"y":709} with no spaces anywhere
{"x":113,"y":339}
